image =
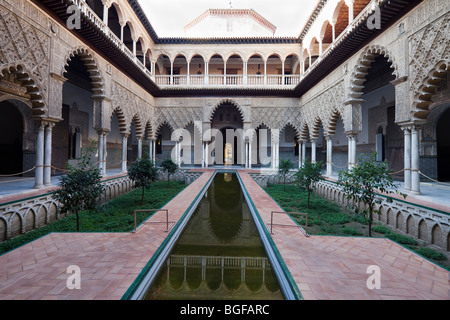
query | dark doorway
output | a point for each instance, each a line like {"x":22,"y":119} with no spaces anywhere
{"x":11,"y":139}
{"x":443,"y":145}
{"x":230,"y":148}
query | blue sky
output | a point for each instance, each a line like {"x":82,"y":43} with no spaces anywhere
{"x":168,"y":17}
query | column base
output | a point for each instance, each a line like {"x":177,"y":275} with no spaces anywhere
{"x":38,"y":186}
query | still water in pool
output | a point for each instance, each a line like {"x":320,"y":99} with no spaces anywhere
{"x":219,"y":254}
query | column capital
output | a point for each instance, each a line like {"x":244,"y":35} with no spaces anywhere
{"x":351,"y":134}
{"x":101,"y":131}
{"x":399,"y":80}
{"x":354,"y":102}
{"x":58,"y":77}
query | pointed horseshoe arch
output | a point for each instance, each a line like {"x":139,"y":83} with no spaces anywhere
{"x":34,"y":91}
{"x":363,"y":64}
{"x":121,"y":118}
{"x":227,"y":101}
{"x":423,"y":95}
{"x":91,"y":64}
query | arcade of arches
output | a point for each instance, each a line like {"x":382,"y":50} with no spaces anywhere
{"x":372,"y":101}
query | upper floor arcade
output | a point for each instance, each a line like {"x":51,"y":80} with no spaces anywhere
{"x":120,"y":29}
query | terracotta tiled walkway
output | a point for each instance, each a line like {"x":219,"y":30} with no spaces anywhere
{"x":326,"y":267}
{"x":109,"y":262}
{"x":323,"y":267}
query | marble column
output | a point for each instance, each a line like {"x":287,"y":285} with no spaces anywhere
{"x":102,"y":151}
{"x":48,"y":154}
{"x":206,"y":155}
{"x":415,"y":160}
{"x":39,"y":171}
{"x":303,"y":152}
{"x":139,"y":155}
{"x":407,"y":158}
{"x":249,"y":155}
{"x":124,"y":152}
{"x":329,"y":155}
{"x":246,"y":155}
{"x":150,"y":150}
{"x":299,"y":154}
{"x":351,"y":150}
{"x":313,"y":150}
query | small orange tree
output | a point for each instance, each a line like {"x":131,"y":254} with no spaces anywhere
{"x":365,"y":182}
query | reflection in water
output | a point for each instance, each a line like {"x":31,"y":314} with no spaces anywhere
{"x":220,"y":254}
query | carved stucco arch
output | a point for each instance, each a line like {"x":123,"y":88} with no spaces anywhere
{"x":231,"y":102}
{"x":197,"y":126}
{"x":362,"y":66}
{"x":160,"y":125}
{"x":422,"y":98}
{"x":315,"y":128}
{"x":92,"y":66}
{"x":332,"y":121}
{"x":304,"y":131}
{"x":296,"y":130}
{"x":33,"y":90}
{"x":122,"y":119}
{"x":138,"y":124}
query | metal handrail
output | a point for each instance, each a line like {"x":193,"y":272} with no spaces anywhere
{"x":305,"y":231}
{"x":168,"y":225}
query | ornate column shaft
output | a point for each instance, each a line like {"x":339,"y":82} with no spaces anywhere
{"x":39,"y":171}
{"x":407,"y":158}
{"x":313,"y":150}
{"x":329,"y":155}
{"x":415,"y":160}
{"x":139,"y":155}
{"x":124,"y":153}
{"x":249,"y":155}
{"x":303,"y":152}
{"x":48,"y":154}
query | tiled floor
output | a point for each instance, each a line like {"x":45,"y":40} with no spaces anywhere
{"x":323,"y":267}
{"x":328,"y":267}
{"x":109,"y":262}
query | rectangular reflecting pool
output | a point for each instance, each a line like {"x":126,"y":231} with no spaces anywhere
{"x":219,"y":254}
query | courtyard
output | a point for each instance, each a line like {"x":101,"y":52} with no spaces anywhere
{"x":320,"y":267}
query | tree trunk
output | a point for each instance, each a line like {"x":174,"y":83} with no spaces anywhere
{"x":370,"y":220}
{"x":309,"y":194}
{"x":142,"y":199}
{"x":78,"y":222}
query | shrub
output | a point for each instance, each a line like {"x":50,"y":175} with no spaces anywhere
{"x":401,"y":239}
{"x":335,"y":218}
{"x":351,"y":231}
{"x":431,"y":254}
{"x":382,"y":229}
{"x":143,"y":172}
{"x":363,"y":183}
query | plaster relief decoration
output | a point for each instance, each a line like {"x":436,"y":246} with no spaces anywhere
{"x":325,"y":106}
{"x":132,"y":105}
{"x":178,"y":117}
{"x":24,"y":52}
{"x":275,"y":117}
{"x":429,"y":60}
